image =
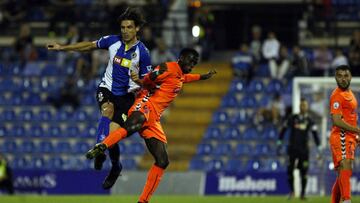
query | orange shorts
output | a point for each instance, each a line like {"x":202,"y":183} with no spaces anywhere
{"x":151,"y":127}
{"x":342,"y":146}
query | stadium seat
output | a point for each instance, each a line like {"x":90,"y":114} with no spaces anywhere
{"x":62,"y":147}
{"x":263,"y":70}
{"x":271,"y":165}
{"x":21,"y":163}
{"x":255,"y":86}
{"x":55,"y":163}
{"x":50,"y":70}
{"x":8,"y":115}
{"x":248,"y":101}
{"x":239,"y":117}
{"x":27,"y":146}
{"x":54,"y":131}
{"x":36,"y":131}
{"x":37,"y":162}
{"x":220,"y":117}
{"x":261,"y":150}
{"x":3,"y":131}
{"x":232,"y":133}
{"x":62,"y":115}
{"x":204,"y":149}
{"x":222,"y":149}
{"x":45,"y":147}
{"x":234,"y":165}
{"x":213,"y":133}
{"x":81,"y":147}
{"x":197,"y":164}
{"x":128,"y":163}
{"x":214,"y":165}
{"x":26,"y":115}
{"x":242,"y":150}
{"x":270,"y":133}
{"x":135,"y":148}
{"x":71,"y":131}
{"x":80,"y":116}
{"x":237,"y":86}
{"x":274,"y":86}
{"x":44,"y":115}
{"x":253,"y":165}
{"x":251,"y":134}
{"x":89,"y":132}
{"x":18,"y":131}
{"x":10,"y":146}
{"x":229,"y":101}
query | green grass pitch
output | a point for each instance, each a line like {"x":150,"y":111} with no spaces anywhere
{"x":158,"y":199}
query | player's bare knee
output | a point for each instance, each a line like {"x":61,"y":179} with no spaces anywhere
{"x":107,"y":110}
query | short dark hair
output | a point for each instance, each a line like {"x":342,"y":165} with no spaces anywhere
{"x":343,"y":67}
{"x":132,"y":14}
{"x":187,"y":51}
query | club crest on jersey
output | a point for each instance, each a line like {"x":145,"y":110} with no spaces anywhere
{"x":336,"y":105}
{"x":122,"y":61}
{"x":133,"y":55}
{"x":100,"y":96}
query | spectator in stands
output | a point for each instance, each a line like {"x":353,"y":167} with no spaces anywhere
{"x":24,"y":47}
{"x":255,"y":44}
{"x":147,"y":38}
{"x":354,"y":53}
{"x":68,"y":94}
{"x":340,"y":59}
{"x":64,"y":11}
{"x":12,"y":12}
{"x":299,"y":64}
{"x":280,"y":66}
{"x":322,"y":61}
{"x":243,"y":63}
{"x":6,"y":181}
{"x":274,"y":112}
{"x":271,"y":48}
{"x":161,"y":53}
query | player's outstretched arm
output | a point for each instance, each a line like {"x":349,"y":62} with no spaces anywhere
{"x":207,"y":75}
{"x":80,"y":46}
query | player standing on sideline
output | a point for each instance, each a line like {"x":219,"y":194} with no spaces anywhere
{"x":300,"y":126}
{"x":343,"y":137}
{"x":115,"y":93}
{"x":160,"y":87}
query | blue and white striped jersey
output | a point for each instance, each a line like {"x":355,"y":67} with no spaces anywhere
{"x":117,"y":75}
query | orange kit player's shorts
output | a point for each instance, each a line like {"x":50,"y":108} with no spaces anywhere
{"x":151,"y":127}
{"x":342,"y":146}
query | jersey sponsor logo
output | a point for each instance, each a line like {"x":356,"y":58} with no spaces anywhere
{"x":133,"y":55}
{"x":231,"y":183}
{"x":126,"y":63}
{"x":336,"y":105}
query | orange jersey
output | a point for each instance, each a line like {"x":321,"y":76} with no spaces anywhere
{"x":166,"y":86}
{"x":343,"y":103}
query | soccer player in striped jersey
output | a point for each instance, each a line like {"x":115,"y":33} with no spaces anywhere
{"x":160,"y":87}
{"x":344,"y":133}
{"x":115,"y":93}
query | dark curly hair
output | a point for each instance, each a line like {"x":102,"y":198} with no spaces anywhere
{"x":132,"y":14}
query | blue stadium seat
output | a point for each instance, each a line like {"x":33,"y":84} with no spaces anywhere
{"x":214,"y":165}
{"x":54,"y":131}
{"x":253,"y":165}
{"x":27,"y":146}
{"x":80,"y":115}
{"x":229,"y":101}
{"x":222,"y":149}
{"x":263,"y":70}
{"x":239,"y":117}
{"x":10,"y":146}
{"x":81,"y":147}
{"x":62,"y":115}
{"x":232,"y":133}
{"x":213,"y":132}
{"x":50,"y":70}
{"x":89,"y":132}
{"x":220,"y":117}
{"x":37,"y":162}
{"x":3,"y":131}
{"x":237,"y":86}
{"x":264,"y":101}
{"x":36,"y":131}
{"x":270,"y":133}
{"x":55,"y":163}
{"x":18,"y":131}
{"x":21,"y":163}
{"x":128,"y":163}
{"x":274,"y":86}
{"x":234,"y":165}
{"x":63,"y":147}
{"x":8,"y":115}
{"x":45,"y":147}
{"x":72,"y":131}
{"x":204,"y":149}
{"x":44,"y":115}
{"x":197,"y":164}
{"x":271,"y":165}
{"x":261,"y":150}
{"x":248,"y":101}
{"x":26,"y":115}
{"x":88,"y":100}
{"x":255,"y":86}
{"x":242,"y":150}
{"x":251,"y":134}
{"x":135,"y":148}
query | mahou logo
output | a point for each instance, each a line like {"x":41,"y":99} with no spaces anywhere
{"x":43,"y":181}
{"x":246,"y":184}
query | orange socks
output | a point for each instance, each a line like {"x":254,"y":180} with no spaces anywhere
{"x":153,"y":180}
{"x":114,"y":137}
{"x":344,"y":180}
{"x":335,"y":192}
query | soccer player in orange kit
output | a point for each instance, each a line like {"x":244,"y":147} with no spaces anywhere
{"x":159,"y":89}
{"x":343,"y":137}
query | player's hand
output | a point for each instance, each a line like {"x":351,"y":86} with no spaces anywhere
{"x":135,"y":77}
{"x":208,"y":75}
{"x":97,"y":150}
{"x":53,"y":46}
